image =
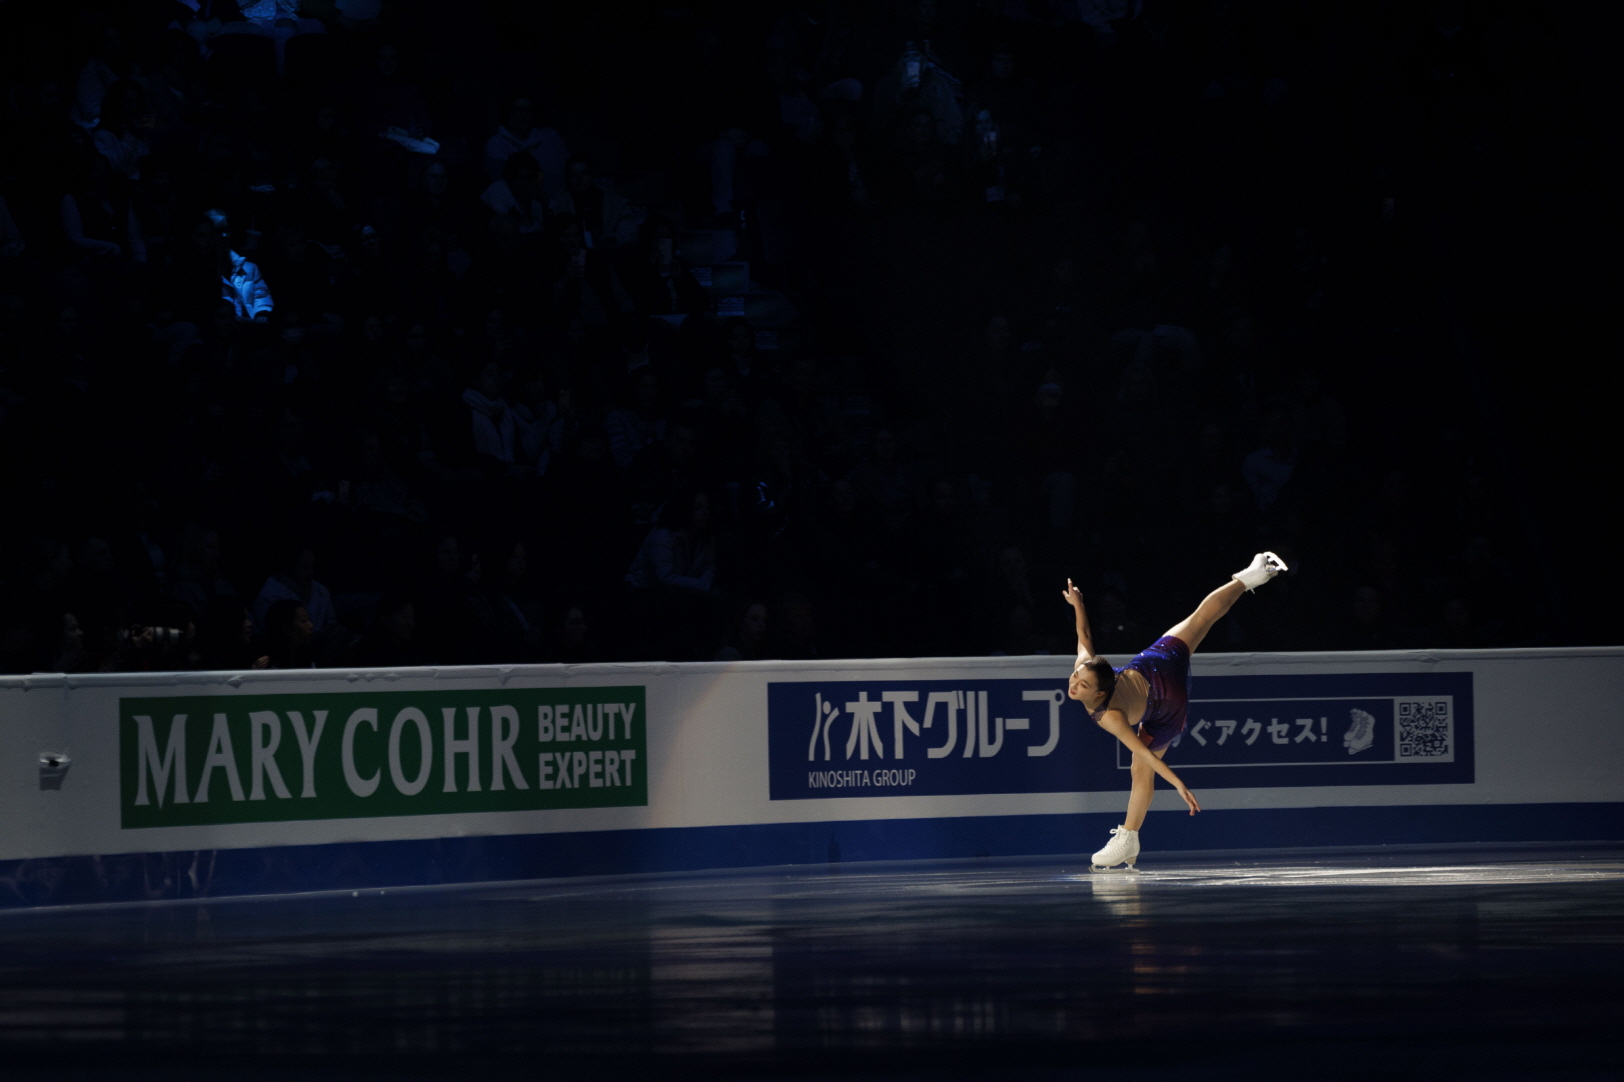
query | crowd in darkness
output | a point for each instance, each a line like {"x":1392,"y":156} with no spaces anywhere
{"x":348,"y":333}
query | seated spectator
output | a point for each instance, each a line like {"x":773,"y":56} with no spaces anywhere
{"x":278,"y":19}
{"x":97,"y":218}
{"x":774,"y":496}
{"x":1487,"y":585}
{"x":389,"y":103}
{"x":797,"y":632}
{"x":1458,"y":630}
{"x":590,"y":493}
{"x":812,"y":413}
{"x":748,"y":638}
{"x":108,"y":63}
{"x":96,"y":592}
{"x":545,"y":423}
{"x":846,"y":168}
{"x":423,"y":365}
{"x":638,"y":423}
{"x":240,"y":282}
{"x":518,"y":133}
{"x":391,"y":642}
{"x":1118,"y":626}
{"x":505,"y":627}
{"x":796,"y":109}
{"x":327,"y":210}
{"x":62,"y":643}
{"x":1053,"y":447}
{"x":729,"y":159}
{"x":1015,"y":101}
{"x":849,"y":556}
{"x":125,"y":120}
{"x":1209,"y":465}
{"x":376,"y":488}
{"x":673,"y":582}
{"x":1370,"y":627}
{"x":225,"y":637}
{"x":1019,"y":635}
{"x":941,"y":557}
{"x":283,"y":475}
{"x":494,"y":422}
{"x":573,"y":642}
{"x":679,"y":553}
{"x":660,"y":284}
{"x":322,"y":133}
{"x":606,"y":217}
{"x":518,"y":192}
{"x":818,"y":40}
{"x":921,"y":172}
{"x":298,"y":584}
{"x":197,"y":580}
{"x":748,"y":368}
{"x":916,"y":85}
{"x":663,"y":467}
{"x":1013,"y":586}
{"x":49,"y":572}
{"x":1269,"y":468}
{"x":303,"y":270}
{"x":884,"y":483}
{"x":585,"y":285}
{"x":442,"y":594}
{"x":433,"y":206}
{"x":729,"y":425}
{"x":288,"y":635}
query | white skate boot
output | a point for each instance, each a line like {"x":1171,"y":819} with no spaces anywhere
{"x":1264,"y":566}
{"x":1121,"y":849}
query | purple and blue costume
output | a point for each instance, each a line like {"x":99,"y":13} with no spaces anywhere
{"x":1165,"y":665}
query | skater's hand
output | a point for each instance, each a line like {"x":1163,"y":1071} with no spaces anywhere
{"x":1189,"y":798}
{"x":1073,"y":596}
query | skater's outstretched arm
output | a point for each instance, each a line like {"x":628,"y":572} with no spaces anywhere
{"x":1085,"y":640}
{"x":1116,"y":723}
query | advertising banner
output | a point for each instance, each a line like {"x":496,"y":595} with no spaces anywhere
{"x":927,"y":737}
{"x":1326,"y":729}
{"x":830,"y":739}
{"x":367,"y":754}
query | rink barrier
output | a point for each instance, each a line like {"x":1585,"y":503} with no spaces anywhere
{"x":125,"y":787}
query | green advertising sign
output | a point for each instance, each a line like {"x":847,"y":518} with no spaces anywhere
{"x":365,"y":754}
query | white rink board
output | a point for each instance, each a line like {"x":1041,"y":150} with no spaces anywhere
{"x":1547,"y":730}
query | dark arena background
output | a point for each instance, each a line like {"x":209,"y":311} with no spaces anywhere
{"x":449,"y":450}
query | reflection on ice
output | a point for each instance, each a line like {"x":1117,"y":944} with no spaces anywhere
{"x":931,"y":962}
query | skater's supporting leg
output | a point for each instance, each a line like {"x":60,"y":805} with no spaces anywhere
{"x":1194,"y":627}
{"x":1144,"y":788}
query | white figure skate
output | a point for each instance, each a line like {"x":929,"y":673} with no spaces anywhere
{"x":1264,"y":566}
{"x":1121,"y":849}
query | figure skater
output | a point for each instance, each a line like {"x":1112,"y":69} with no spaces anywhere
{"x":1143,"y":704}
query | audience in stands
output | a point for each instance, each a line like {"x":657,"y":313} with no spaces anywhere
{"x":826,"y":332}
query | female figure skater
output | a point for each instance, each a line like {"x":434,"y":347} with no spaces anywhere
{"x":1143,"y":704}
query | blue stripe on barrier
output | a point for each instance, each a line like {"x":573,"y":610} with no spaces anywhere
{"x":433,"y":861}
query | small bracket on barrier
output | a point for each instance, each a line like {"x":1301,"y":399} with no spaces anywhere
{"x":53,"y":768}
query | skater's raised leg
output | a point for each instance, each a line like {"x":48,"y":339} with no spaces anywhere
{"x":1194,"y":627}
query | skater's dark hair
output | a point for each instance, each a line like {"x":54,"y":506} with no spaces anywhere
{"x":1104,"y":677}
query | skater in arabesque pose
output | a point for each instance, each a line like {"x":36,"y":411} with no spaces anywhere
{"x":1143,"y":704}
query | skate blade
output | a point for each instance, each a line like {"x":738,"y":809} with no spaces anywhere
{"x":1102,"y":869}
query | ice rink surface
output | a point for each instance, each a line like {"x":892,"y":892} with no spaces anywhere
{"x":1461,"y":963}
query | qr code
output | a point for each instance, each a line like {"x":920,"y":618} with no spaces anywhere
{"x":1426,"y":729}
